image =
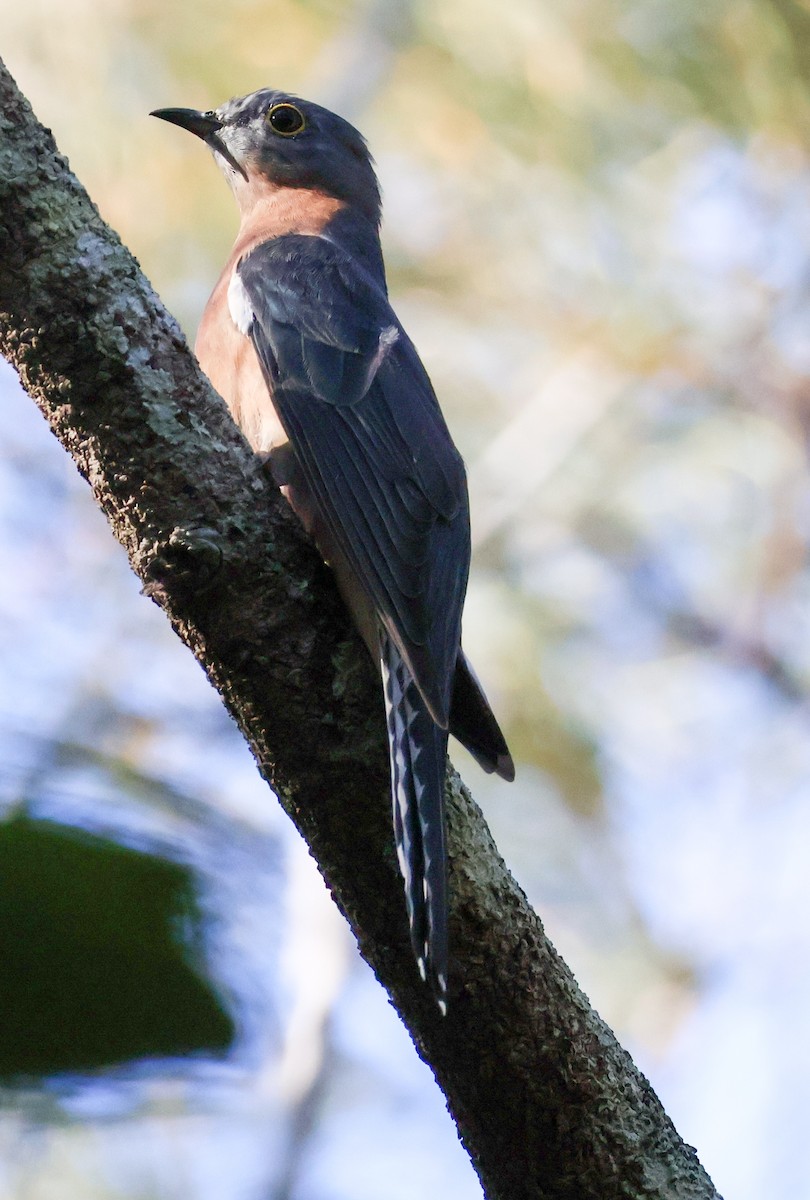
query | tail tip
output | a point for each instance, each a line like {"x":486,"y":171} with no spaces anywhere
{"x":438,"y":982}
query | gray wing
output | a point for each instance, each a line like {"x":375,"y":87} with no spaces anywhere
{"x":365,"y":425}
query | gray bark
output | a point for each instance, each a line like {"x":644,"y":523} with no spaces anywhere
{"x":546,"y":1101}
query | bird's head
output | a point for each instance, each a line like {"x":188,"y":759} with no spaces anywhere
{"x":289,"y":143}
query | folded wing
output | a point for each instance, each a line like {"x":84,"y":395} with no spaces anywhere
{"x":371,"y":441}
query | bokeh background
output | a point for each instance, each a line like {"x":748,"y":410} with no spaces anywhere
{"x":597,"y":227}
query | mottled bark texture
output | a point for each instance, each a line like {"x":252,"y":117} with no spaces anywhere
{"x":546,"y":1102}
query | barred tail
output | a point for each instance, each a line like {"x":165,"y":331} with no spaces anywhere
{"x":418,"y":752}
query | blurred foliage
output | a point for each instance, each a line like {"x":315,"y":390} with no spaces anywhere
{"x":100,"y":952}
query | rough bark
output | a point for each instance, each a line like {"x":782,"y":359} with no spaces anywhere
{"x":546,"y":1101}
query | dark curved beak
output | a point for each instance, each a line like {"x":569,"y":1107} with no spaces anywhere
{"x":205,"y":125}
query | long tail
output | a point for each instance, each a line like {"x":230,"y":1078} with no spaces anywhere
{"x":418,"y":753}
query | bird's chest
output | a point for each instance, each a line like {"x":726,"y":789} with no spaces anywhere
{"x":227,"y":357}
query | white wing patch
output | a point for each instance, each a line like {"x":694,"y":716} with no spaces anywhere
{"x":239,"y":305}
{"x":389,"y":336}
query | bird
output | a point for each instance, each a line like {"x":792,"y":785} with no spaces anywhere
{"x":300,"y":340}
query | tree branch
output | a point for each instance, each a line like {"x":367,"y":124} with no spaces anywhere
{"x":546,"y":1102}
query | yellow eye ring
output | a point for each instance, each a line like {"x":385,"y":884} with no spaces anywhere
{"x":285,"y":119}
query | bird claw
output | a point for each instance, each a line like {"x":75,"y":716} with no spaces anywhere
{"x":279,"y":464}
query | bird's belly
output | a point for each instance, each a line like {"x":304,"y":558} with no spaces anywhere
{"x":228,"y":359}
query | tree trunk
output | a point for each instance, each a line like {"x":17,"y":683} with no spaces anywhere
{"x":546,"y":1101}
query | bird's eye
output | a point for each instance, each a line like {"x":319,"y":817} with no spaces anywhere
{"x":286,"y":119}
